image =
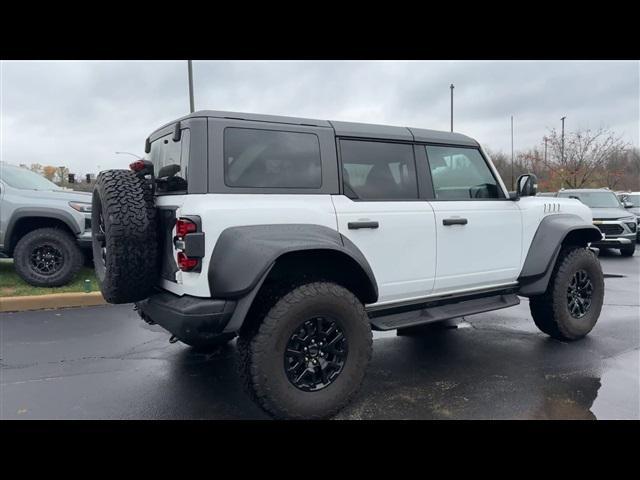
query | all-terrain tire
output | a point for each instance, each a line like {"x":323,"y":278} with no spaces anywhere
{"x":123,"y":219}
{"x":262,"y":352}
{"x":550,"y":311}
{"x":628,"y":250}
{"x":47,"y":257}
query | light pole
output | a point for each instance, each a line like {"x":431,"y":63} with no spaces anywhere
{"x":562,"y":147}
{"x":129,"y":153}
{"x":191,"y":102}
{"x":545,"y":149}
{"x":512,"y":185}
{"x":451,"y":87}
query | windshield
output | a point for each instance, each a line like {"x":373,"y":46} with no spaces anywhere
{"x":594,"y":199}
{"x":18,"y":177}
{"x":635,"y":199}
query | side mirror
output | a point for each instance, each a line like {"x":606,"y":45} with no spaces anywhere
{"x":527,"y":185}
{"x":627,"y":204}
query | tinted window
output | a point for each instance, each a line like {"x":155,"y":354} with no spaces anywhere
{"x":594,"y":199}
{"x":271,"y":159}
{"x":171,"y":162}
{"x":378,"y":170}
{"x":461,"y":174}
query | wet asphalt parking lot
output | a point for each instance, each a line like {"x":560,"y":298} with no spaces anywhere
{"x":105,"y":363}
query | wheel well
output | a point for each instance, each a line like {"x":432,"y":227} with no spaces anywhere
{"x":580,"y":237}
{"x":295,"y":268}
{"x":28,"y":224}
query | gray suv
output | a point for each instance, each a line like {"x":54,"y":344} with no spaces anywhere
{"x":44,"y":228}
{"x":618,"y":225}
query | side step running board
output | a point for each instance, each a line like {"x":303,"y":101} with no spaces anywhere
{"x":436,"y":313}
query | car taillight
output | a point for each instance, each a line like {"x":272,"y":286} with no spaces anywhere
{"x":185,"y":263}
{"x":184,"y":226}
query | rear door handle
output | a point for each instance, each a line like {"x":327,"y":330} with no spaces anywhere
{"x":357,"y":225}
{"x":454,"y":221}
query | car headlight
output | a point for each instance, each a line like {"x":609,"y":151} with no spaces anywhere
{"x":81,"y":206}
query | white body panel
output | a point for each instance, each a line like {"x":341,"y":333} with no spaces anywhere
{"x":220,"y":211}
{"x":401,"y":251}
{"x":412,"y":254}
{"x":486,"y":251}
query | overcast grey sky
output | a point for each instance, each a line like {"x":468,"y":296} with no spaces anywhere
{"x":79,"y":113}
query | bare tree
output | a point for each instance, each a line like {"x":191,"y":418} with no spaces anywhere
{"x":583,"y":154}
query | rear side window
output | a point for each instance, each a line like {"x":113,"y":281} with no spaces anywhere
{"x":271,"y":159}
{"x":378,"y":170}
{"x":461,"y":174}
{"x":170,"y":162}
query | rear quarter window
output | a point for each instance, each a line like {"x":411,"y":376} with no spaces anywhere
{"x":258,"y":158}
{"x":171,"y":162}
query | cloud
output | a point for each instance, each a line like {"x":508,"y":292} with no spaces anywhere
{"x":79,"y":113}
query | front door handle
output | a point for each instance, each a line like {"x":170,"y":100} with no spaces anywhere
{"x":454,"y":221}
{"x":357,"y":225}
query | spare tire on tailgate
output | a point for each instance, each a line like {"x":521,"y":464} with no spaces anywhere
{"x":124,"y":236}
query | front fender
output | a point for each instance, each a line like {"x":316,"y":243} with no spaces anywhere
{"x":552,"y":233}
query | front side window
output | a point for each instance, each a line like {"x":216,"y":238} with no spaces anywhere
{"x":378,"y":170}
{"x":461,"y":174}
{"x":170,"y":162}
{"x":256,"y":158}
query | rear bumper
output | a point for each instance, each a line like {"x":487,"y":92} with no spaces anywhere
{"x":192,"y":320}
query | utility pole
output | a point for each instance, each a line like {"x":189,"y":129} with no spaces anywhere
{"x":451,"y":87}
{"x":512,"y":184}
{"x":191,"y":102}
{"x":562,"y":148}
{"x":545,"y":150}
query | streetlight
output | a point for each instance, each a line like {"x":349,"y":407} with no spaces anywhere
{"x":512,"y":184}
{"x":191,"y":102}
{"x":562,"y":149}
{"x":129,"y":153}
{"x":451,"y":87}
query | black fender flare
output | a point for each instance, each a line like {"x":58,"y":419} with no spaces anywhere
{"x":553,"y":231}
{"x":35,"y":212}
{"x":243,"y":255}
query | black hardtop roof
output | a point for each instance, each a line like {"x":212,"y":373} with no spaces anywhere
{"x":345,"y":129}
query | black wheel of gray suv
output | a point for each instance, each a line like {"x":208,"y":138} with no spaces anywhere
{"x":307,"y":359}
{"x":570,"y":307}
{"x":124,"y":236}
{"x":47,"y":257}
{"x":628,"y":250}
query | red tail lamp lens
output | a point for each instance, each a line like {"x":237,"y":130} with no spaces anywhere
{"x":185,"y":263}
{"x":184,"y":226}
{"x":137,"y":165}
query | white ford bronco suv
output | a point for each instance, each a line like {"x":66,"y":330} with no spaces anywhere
{"x":300,"y":236}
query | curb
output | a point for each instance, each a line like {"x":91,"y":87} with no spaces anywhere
{"x":53,"y":300}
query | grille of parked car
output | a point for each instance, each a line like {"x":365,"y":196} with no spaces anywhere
{"x":610,"y":228}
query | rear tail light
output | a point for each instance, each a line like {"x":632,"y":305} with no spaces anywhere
{"x":185,"y":263}
{"x":185,"y":226}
